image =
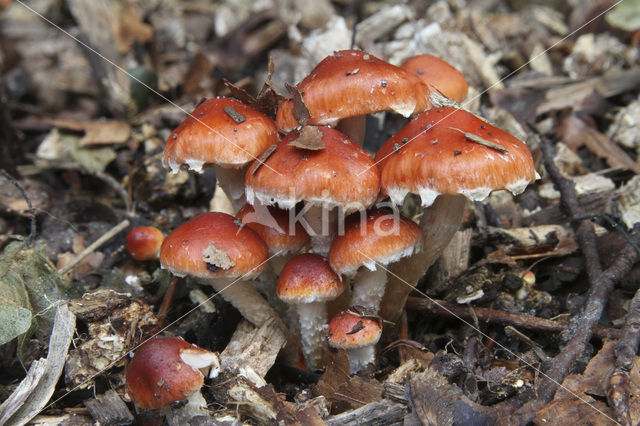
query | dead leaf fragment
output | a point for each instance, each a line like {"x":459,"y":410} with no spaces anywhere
{"x":216,"y":258}
{"x":300,"y":111}
{"x":310,"y":138}
{"x":235,"y":115}
{"x":260,"y":161}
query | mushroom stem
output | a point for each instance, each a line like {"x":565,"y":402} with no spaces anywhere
{"x":323,"y":222}
{"x":439,"y":223}
{"x":354,"y":127}
{"x":231,"y":180}
{"x":361,"y":357}
{"x":313,"y":324}
{"x":278,"y":262}
{"x":369,"y":288}
{"x":246,"y":299}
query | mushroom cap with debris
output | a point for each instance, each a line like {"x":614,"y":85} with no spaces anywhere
{"x":221,"y":131}
{"x":351,"y":83}
{"x":451,"y":151}
{"x":318,"y":165}
{"x":214,"y":245}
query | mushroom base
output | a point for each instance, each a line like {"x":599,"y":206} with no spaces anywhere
{"x":359,"y":358}
{"x":369,"y":288}
{"x":313,"y":326}
{"x":439,"y":223}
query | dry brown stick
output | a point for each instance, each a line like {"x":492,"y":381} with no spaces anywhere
{"x":167,"y":300}
{"x":601,"y":284}
{"x":529,"y":322}
{"x":618,"y":385}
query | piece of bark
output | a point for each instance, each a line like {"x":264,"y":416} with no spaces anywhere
{"x":453,"y":261}
{"x":252,"y":351}
{"x":108,"y":409}
{"x":435,"y":401}
{"x":383,"y":412}
{"x":33,"y":393}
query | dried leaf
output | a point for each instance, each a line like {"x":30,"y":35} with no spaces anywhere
{"x":29,"y":288}
{"x":300,"y":110}
{"x":477,"y":139}
{"x":216,"y":258}
{"x":310,"y":138}
{"x":625,"y":15}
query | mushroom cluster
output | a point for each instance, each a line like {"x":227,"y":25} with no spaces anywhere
{"x":310,"y":187}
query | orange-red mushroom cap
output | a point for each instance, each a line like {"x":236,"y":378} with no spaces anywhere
{"x":350,"y":330}
{"x":308,"y":278}
{"x":214,"y":245}
{"x":273,"y":226}
{"x":143,"y":242}
{"x":340,"y":174}
{"x":159,"y":375}
{"x":447,"y":151}
{"x":350,"y":83}
{"x":379,"y":237}
{"x":221,"y":131}
{"x":438,"y":75}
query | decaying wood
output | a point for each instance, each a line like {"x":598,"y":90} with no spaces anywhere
{"x":529,"y":322}
{"x":383,"y":412}
{"x":108,"y":409}
{"x":453,"y":261}
{"x":252,"y":351}
{"x":35,"y":390}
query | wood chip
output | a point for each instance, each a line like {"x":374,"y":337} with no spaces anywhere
{"x":216,"y":258}
{"x":309,"y":138}
{"x":235,"y":115}
{"x":101,"y":132}
{"x":477,"y":139}
{"x":300,"y":111}
{"x":108,"y":409}
{"x":260,"y":161}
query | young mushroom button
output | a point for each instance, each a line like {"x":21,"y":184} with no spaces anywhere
{"x":356,"y":333}
{"x":143,"y":242}
{"x":438,"y":75}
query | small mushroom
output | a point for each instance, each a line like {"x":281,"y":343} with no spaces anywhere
{"x":356,"y":333}
{"x":308,"y":282}
{"x":143,"y":242}
{"x":165,"y":370}
{"x":380,"y":237}
{"x":438,"y":75}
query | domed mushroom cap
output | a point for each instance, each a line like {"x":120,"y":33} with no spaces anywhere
{"x":143,"y":242}
{"x":272,"y":224}
{"x":451,"y":151}
{"x":340,"y":173}
{"x":438,"y":75}
{"x":221,"y":131}
{"x":308,"y":278}
{"x":165,"y":370}
{"x":214,"y":245}
{"x":350,"y":330}
{"x":350,"y":83}
{"x":379,"y":237}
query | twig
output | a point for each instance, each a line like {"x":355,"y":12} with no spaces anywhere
{"x":529,"y":322}
{"x":618,"y":386}
{"x":32,"y":210}
{"x":601,"y":284}
{"x":93,"y":246}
